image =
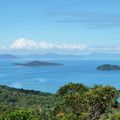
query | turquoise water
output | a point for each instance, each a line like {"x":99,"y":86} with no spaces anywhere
{"x":49,"y":79}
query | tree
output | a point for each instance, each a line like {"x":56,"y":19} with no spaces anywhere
{"x":115,"y":117}
{"x":73,"y":104}
{"x":85,"y":103}
{"x":18,"y":115}
{"x":101,"y":98}
{"x":72,"y":88}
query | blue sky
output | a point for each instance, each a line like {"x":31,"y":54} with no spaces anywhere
{"x":90,"y":22}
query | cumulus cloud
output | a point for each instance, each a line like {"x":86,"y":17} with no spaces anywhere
{"x":30,"y":44}
{"x":23,"y":43}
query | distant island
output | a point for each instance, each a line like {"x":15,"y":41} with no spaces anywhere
{"x":108,"y":67}
{"x":8,"y":56}
{"x":38,"y":63}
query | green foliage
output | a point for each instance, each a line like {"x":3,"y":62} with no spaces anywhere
{"x":72,"y":88}
{"x":5,"y":108}
{"x":115,"y":116}
{"x":25,"y":98}
{"x":19,"y":115}
{"x":86,"y":103}
{"x":100,"y":99}
{"x":72,"y":102}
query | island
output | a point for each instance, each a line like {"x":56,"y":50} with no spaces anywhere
{"x":38,"y":63}
{"x":8,"y":56}
{"x":108,"y":67}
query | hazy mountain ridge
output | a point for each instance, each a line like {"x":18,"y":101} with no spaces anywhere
{"x":55,"y":55}
{"x":8,"y":56}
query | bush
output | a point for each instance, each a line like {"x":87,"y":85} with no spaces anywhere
{"x":18,"y":115}
{"x":115,"y":116}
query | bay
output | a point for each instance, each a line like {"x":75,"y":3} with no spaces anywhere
{"x":49,"y":79}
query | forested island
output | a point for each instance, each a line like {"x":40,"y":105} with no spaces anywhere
{"x":38,"y":63}
{"x":71,"y":102}
{"x":108,"y":67}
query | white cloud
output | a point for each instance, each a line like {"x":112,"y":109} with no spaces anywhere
{"x":32,"y":45}
{"x":23,"y":45}
{"x":105,"y":49}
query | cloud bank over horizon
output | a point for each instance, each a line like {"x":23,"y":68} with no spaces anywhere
{"x":24,"y":45}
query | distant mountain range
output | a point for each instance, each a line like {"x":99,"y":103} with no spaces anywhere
{"x":8,"y":56}
{"x":103,"y":55}
{"x":89,"y":56}
{"x":53,"y":55}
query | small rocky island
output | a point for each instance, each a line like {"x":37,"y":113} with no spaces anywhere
{"x":38,"y":63}
{"x":108,"y":67}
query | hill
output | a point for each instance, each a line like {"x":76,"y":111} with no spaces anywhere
{"x":8,"y":56}
{"x":25,"y":98}
{"x":72,"y":102}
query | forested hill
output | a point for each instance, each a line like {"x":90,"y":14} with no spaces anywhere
{"x":25,"y":98}
{"x":73,"y":101}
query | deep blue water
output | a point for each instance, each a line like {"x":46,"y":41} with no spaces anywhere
{"x":49,"y":79}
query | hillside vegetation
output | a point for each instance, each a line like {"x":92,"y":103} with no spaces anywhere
{"x":71,"y":102}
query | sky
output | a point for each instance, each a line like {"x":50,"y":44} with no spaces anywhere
{"x":72,"y":25}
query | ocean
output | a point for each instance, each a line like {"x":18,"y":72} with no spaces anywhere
{"x":49,"y":79}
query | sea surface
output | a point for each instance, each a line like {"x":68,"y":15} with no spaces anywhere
{"x":49,"y":79}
